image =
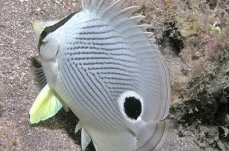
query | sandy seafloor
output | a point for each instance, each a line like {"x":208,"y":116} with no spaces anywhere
{"x":18,"y":90}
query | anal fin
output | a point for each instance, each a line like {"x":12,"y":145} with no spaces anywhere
{"x":78,"y":127}
{"x":85,"y":139}
{"x":96,"y":147}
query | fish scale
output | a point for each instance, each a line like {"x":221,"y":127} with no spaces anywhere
{"x":85,"y":105}
{"x":103,"y":65}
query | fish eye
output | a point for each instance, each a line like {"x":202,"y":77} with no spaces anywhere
{"x":42,"y":38}
{"x":132,"y":107}
{"x":43,"y":35}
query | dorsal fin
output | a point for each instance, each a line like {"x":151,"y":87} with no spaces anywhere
{"x":127,"y":11}
{"x":103,"y":3}
{"x":120,"y":19}
{"x":137,"y":19}
{"x":114,"y":7}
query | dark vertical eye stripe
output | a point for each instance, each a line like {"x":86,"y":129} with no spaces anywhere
{"x":52,"y":28}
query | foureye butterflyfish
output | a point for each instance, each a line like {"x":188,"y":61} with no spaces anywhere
{"x":103,"y":65}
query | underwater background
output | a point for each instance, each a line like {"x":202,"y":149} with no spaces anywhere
{"x":192,"y":35}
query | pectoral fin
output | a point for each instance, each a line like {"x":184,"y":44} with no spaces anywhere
{"x":45,"y":106}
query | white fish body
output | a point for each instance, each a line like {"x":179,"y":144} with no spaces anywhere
{"x":103,"y":66}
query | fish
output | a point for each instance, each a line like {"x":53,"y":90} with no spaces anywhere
{"x":103,"y":64}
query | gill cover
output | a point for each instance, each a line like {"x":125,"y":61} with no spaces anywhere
{"x":43,"y":30}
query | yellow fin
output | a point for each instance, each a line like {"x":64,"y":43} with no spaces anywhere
{"x":45,"y":106}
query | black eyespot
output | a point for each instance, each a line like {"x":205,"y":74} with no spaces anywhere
{"x":132,"y":107}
